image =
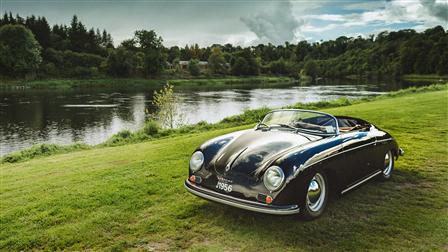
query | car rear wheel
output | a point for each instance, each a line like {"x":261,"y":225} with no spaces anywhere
{"x":316,"y":197}
{"x":388,"y":165}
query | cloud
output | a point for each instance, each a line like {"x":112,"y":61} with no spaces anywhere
{"x":369,"y":5}
{"x":315,"y":29}
{"x":329,"y":17}
{"x":277,"y":26}
{"x":425,"y":13}
{"x":436,"y":9}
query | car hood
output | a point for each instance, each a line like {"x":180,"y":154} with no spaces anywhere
{"x":256,"y":149}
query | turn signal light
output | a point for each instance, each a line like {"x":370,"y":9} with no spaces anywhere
{"x":195,"y":179}
{"x":264,"y":198}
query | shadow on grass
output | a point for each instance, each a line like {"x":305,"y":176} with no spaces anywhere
{"x":376,"y":211}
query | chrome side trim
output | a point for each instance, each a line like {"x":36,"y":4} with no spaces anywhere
{"x":342,"y":152}
{"x":240,"y":203}
{"x":360,"y":182}
{"x":384,"y":140}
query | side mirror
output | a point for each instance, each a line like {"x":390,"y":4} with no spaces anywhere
{"x":261,"y":125}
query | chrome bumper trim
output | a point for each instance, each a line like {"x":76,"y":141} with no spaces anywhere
{"x":240,"y":203}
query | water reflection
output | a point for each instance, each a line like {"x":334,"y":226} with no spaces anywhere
{"x":212,"y":106}
{"x":29,"y":117}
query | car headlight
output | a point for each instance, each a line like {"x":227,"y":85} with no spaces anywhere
{"x":196,"y":161}
{"x":273,"y":178}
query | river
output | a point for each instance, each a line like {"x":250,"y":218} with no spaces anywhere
{"x":91,"y":116}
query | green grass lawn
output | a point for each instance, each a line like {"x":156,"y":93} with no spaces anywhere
{"x":131,"y":197}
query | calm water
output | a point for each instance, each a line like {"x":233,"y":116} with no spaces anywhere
{"x":28,"y":117}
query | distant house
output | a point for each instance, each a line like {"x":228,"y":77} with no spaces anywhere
{"x":183,"y":64}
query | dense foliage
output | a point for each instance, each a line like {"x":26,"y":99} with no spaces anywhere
{"x":74,"y":51}
{"x":19,"y":51}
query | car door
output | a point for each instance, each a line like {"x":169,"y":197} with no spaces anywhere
{"x":358,"y":148}
{"x":381,"y":146}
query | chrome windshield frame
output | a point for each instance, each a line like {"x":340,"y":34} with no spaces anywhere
{"x":309,"y":111}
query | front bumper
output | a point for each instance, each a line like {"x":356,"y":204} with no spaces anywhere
{"x":240,"y":203}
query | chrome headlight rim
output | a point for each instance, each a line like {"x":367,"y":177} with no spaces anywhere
{"x":266,"y":181}
{"x":196,"y":161}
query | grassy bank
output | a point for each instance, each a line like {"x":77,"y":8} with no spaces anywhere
{"x":215,"y":83}
{"x":233,"y":82}
{"x":131,"y":196}
{"x":434,"y":78}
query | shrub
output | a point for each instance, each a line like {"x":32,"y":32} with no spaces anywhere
{"x":168,"y":112}
{"x":124,"y":134}
{"x":193,"y":67}
{"x":203,"y":124}
{"x":151,"y":128}
{"x":249,"y":116}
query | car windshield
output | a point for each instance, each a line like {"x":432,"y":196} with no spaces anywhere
{"x":306,"y":121}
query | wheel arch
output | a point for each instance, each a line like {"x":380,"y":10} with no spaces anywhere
{"x":296,"y":186}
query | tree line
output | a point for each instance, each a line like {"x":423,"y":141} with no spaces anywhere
{"x":30,"y":47}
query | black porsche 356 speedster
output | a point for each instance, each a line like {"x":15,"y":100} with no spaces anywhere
{"x":290,"y":161}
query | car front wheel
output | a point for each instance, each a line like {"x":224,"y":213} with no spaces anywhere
{"x":316,"y":197}
{"x":388,"y":165}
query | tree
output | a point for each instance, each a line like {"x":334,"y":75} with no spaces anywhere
{"x":279,"y":66}
{"x":19,"y":51}
{"x":311,"y":69}
{"x":249,"y":66}
{"x":443,"y":63}
{"x":151,"y":45}
{"x":129,"y":44}
{"x":121,"y":63}
{"x":240,"y":66}
{"x":185,"y":53}
{"x":41,"y":30}
{"x":77,"y":35}
{"x":168,"y":112}
{"x":173,"y":54}
{"x":217,"y":62}
{"x":193,"y":67}
{"x":106,"y":40}
{"x":389,"y":54}
{"x":196,"y":52}
{"x":302,"y":50}
{"x":148,"y":39}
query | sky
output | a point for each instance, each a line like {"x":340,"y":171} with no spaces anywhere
{"x":244,"y":22}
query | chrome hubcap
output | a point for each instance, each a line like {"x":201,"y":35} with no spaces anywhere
{"x":388,"y":163}
{"x":316,"y":193}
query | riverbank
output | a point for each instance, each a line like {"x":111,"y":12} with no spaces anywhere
{"x":150,"y":130}
{"x":425,"y":78}
{"x":131,"y":196}
{"x":225,"y":82}
{"x":191,"y":84}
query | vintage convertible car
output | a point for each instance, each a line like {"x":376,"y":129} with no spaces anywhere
{"x":290,"y":161}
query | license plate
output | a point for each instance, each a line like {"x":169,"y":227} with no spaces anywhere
{"x":224,"y":186}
